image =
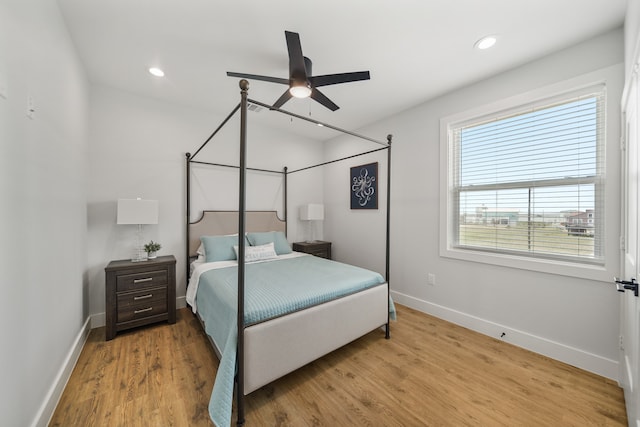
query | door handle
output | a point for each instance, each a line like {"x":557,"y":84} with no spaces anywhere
{"x":623,"y":285}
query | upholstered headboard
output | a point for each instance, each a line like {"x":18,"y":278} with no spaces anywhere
{"x":215,"y":223}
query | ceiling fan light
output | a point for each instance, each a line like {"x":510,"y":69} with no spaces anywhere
{"x":300,"y":91}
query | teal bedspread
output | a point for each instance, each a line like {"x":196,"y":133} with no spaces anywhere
{"x":272,"y":289}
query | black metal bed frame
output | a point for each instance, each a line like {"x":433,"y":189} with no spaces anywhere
{"x":242,"y":106}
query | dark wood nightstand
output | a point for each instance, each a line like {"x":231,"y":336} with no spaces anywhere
{"x":317,"y":248}
{"x":139,"y":293}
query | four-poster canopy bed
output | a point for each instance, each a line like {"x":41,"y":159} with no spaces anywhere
{"x":232,"y":282}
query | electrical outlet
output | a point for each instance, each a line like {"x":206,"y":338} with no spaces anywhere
{"x":621,"y":342}
{"x":431,"y":279}
{"x":31,"y":107}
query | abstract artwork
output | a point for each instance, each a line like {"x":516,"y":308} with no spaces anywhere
{"x":364,"y":186}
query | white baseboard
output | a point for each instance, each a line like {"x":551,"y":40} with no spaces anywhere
{"x":48,"y":407}
{"x":584,"y":360}
{"x":98,"y":320}
{"x":181,"y":302}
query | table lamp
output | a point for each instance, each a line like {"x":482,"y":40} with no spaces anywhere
{"x":312,"y":212}
{"x":138,"y":212}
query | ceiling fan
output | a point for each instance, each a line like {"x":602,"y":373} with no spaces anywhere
{"x":301,"y":82}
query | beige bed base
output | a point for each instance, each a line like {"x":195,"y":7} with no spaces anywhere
{"x":279,"y":346}
{"x":282,"y":345}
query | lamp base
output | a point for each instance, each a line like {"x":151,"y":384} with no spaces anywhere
{"x":139,"y":253}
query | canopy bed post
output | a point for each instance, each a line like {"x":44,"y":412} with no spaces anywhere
{"x":244,"y":86}
{"x":389,"y":137}
{"x":285,"y":198}
{"x":188,"y":210}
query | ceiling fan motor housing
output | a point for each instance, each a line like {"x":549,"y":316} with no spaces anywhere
{"x":302,"y":83}
{"x":299,"y":77}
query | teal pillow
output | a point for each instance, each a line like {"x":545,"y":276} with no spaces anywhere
{"x":277,"y":237}
{"x":219,"y":248}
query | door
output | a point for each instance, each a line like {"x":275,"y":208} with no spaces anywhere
{"x":629,"y":303}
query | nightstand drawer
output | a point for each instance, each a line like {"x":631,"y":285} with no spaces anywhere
{"x":322,"y":253}
{"x":144,"y":297}
{"x":143,"y":310}
{"x":318,"y":248}
{"x":127,"y":282}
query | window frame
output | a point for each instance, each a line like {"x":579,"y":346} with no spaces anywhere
{"x":562,"y":266}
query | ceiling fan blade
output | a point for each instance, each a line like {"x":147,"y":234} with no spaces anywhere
{"x":322,"y":99}
{"x":332,"y":79}
{"x":257,"y":77}
{"x":296,"y":58}
{"x":284,"y":98}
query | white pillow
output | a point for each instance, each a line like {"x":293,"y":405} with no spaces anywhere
{"x":257,"y":253}
{"x":200,"y":253}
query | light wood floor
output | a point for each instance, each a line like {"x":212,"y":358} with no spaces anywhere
{"x":430,"y":373}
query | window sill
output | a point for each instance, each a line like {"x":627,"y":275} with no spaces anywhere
{"x":556,"y":267}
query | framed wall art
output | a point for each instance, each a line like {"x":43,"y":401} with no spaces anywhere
{"x":364,"y":186}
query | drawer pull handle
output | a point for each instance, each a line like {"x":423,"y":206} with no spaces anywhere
{"x":144,"y":310}
{"x":142,"y":297}
{"x":148,"y":279}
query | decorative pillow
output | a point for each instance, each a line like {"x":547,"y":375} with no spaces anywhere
{"x":202,"y":252}
{"x":257,"y":253}
{"x":277,"y":237}
{"x":219,"y":248}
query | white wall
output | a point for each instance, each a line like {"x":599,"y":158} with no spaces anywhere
{"x":43,"y":213}
{"x":138,"y":148}
{"x":359,"y":236}
{"x":631,"y":35}
{"x":571,"y":319}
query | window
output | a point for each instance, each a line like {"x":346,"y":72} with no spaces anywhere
{"x":530,"y":181}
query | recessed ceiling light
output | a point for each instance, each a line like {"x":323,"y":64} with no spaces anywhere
{"x":156,"y":72}
{"x":485,"y":42}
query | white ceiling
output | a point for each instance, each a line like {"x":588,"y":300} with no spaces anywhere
{"x":414,"y":49}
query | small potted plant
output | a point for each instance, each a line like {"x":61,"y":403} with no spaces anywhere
{"x":151,"y":248}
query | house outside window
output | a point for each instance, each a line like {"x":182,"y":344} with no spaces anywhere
{"x":529,"y":181}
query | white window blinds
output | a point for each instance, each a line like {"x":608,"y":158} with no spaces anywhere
{"x":530,"y":182}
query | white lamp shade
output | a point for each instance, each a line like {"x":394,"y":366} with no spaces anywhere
{"x":137,"y":211}
{"x":312,"y":212}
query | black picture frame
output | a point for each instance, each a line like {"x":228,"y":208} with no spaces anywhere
{"x":363,"y":186}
